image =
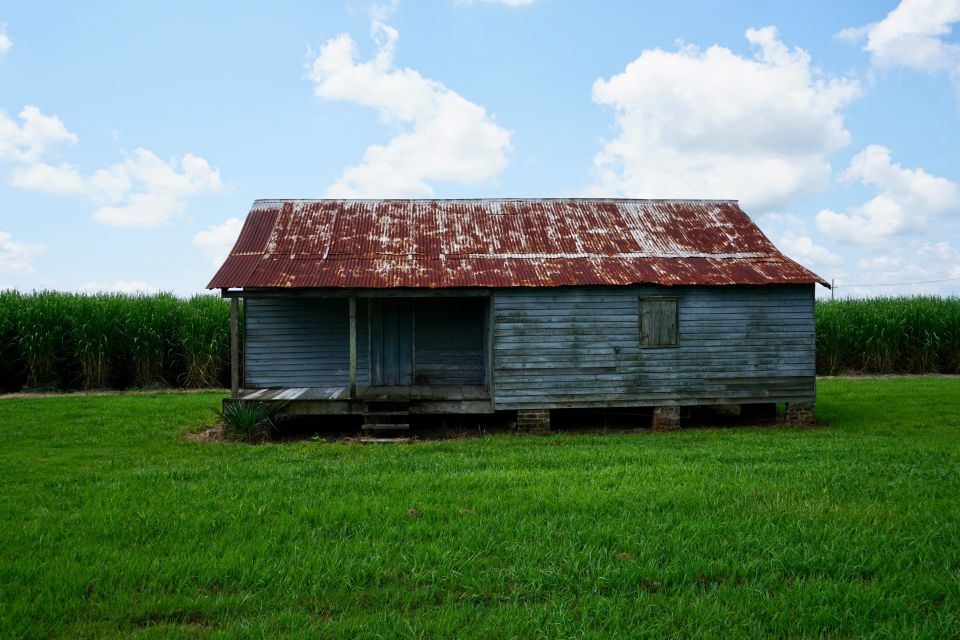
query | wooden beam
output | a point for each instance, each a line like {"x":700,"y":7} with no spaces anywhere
{"x":490,"y":338}
{"x":280,"y":292}
{"x":234,"y":350}
{"x":353,"y":347}
{"x":370,"y":375}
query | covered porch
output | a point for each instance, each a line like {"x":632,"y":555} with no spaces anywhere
{"x":323,"y":351}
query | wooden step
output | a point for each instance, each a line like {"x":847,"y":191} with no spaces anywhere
{"x":375,"y":405}
{"x":386,"y":440}
{"x":386,"y":419}
{"x":387,"y":426}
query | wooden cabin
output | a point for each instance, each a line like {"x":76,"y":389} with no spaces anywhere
{"x":474,"y":306}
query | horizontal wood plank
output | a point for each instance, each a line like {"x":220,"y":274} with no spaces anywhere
{"x":581,"y":347}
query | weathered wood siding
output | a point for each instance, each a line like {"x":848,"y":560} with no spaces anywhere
{"x":561,"y":347}
{"x":580,"y":347}
{"x":449,"y":341}
{"x":302,"y":342}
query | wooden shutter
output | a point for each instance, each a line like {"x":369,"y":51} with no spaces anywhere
{"x":658,"y":322}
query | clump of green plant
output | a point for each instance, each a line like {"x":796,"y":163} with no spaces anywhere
{"x":11,"y":358}
{"x":151,"y":323}
{"x":43,"y":334}
{"x":918,"y":334}
{"x":203,"y":332}
{"x":249,"y":421}
{"x":50,"y":339}
{"x":96,"y":329}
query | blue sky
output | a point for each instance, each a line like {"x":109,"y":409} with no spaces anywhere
{"x":133,"y":137}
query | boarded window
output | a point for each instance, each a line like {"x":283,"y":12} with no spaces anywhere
{"x":658,"y":322}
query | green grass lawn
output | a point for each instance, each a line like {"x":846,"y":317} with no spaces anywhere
{"x":111,"y":526}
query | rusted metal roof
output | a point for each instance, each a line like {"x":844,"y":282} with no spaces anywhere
{"x":502,"y":243}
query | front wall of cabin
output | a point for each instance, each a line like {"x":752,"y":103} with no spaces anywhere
{"x":558,"y":348}
{"x":580,"y":347}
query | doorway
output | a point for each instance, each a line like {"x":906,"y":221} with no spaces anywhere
{"x":391,"y":342}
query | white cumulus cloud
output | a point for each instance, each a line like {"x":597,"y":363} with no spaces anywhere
{"x":804,"y":250}
{"x":443,"y":136}
{"x":121,"y":286}
{"x":940,"y":251}
{"x":145,"y":191}
{"x":141,"y":191}
{"x":216,"y":241}
{"x":942,"y":254}
{"x":36,"y":134}
{"x":906,"y":199}
{"x":694,"y":123}
{"x":5,"y":42}
{"x":40,"y":176}
{"x":513,"y":4}
{"x":913,"y":35}
{"x":15,"y":256}
{"x":881,"y":263}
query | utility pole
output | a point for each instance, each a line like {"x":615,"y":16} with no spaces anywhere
{"x":833,"y":287}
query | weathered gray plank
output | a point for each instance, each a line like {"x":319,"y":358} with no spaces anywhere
{"x":301,"y":342}
{"x":581,"y":347}
{"x":449,"y":341}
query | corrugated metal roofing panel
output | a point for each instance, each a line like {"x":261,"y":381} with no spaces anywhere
{"x":502,"y":243}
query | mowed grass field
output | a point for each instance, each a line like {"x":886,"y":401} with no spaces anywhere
{"x":112,"y":526}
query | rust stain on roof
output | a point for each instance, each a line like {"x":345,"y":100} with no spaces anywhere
{"x":502,"y":243}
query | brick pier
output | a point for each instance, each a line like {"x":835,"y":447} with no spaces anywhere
{"x":801,"y":414}
{"x":533,"y":420}
{"x":666,"y":418}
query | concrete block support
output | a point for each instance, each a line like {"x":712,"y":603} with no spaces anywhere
{"x":666,"y":418}
{"x":801,"y":414}
{"x":534,"y":420}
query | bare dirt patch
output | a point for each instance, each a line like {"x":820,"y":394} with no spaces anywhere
{"x":212,"y":434}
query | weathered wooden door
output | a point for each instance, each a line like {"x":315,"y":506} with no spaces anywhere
{"x":450,"y":341}
{"x":391,"y":342}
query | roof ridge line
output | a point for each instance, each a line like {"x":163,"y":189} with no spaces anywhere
{"x":502,"y":242}
{"x":507,"y":199}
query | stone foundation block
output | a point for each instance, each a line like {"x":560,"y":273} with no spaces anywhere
{"x":666,"y":418}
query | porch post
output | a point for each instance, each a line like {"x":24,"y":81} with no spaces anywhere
{"x":353,"y":347}
{"x":234,"y":350}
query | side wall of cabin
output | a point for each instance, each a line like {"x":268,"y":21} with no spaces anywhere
{"x":581,"y":347}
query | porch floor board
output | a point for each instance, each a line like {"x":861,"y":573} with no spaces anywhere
{"x":414,"y":393}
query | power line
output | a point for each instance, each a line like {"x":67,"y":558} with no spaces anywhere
{"x":897,"y":284}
